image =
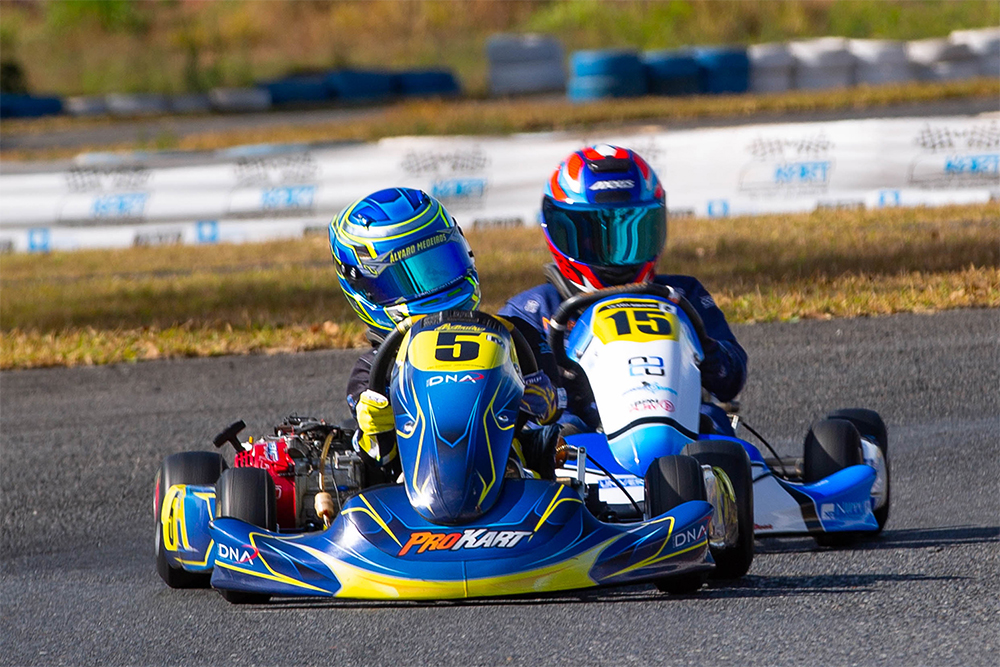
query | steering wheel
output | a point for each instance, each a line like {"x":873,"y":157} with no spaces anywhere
{"x":572,"y":307}
{"x":379,"y":377}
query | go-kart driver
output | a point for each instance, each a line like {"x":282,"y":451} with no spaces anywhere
{"x":399,"y":253}
{"x":605,"y":220}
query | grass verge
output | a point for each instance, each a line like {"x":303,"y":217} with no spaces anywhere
{"x":96,"y":307}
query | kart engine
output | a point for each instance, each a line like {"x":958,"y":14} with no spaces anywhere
{"x":314,"y":467}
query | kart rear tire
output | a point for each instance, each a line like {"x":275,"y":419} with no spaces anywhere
{"x":831,"y":445}
{"x":731,"y":562}
{"x":870,"y":425}
{"x":247,"y":494}
{"x":671,"y":481}
{"x":202,"y":468}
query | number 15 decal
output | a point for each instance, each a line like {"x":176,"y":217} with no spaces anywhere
{"x":645,"y":366}
{"x":636,"y":320}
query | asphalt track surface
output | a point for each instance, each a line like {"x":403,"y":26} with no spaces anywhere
{"x":81,"y":448}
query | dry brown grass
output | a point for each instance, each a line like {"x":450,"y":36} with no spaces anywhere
{"x":93,"y":307}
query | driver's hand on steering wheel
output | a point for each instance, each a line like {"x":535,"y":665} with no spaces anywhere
{"x":711,"y":365}
{"x":540,"y":400}
{"x":374,"y":415}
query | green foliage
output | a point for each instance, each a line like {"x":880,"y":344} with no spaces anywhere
{"x":677,"y":23}
{"x":108,"y":15}
{"x":97,"y":46}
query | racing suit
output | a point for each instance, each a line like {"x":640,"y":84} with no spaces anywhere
{"x":723,"y":371}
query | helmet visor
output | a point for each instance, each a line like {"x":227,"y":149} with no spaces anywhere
{"x":607,"y":236}
{"x":414,"y":271}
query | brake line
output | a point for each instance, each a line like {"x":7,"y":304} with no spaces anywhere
{"x":784,"y":472}
{"x":617,"y":483}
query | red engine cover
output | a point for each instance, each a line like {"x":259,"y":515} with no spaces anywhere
{"x":272,"y":456}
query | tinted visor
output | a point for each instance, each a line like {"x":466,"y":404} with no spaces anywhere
{"x":606,"y":236}
{"x":415,"y":271}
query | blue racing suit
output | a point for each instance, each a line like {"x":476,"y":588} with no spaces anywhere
{"x":723,"y":371}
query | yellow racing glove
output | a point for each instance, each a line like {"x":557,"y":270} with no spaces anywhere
{"x":374,"y":415}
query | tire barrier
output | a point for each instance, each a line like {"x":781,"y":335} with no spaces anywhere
{"x":985,"y":44}
{"x":362,"y":85}
{"x":427,"y":83}
{"x":297,"y":90}
{"x":942,"y":59}
{"x":139,"y":104}
{"x":85,"y":105}
{"x":248,"y":193}
{"x":823,"y":63}
{"x":239,"y":100}
{"x":671,"y":72}
{"x":772,"y":68}
{"x":723,"y":70}
{"x":189,"y":103}
{"x":601,"y":74}
{"x":17,"y":105}
{"x":880,"y":61}
{"x":525,"y":64}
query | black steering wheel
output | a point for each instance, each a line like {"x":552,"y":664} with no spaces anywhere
{"x":379,"y":378}
{"x":573,"y":306}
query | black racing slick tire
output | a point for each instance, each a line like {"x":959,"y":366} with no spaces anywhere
{"x":201,"y":468}
{"x":831,"y":445}
{"x":671,"y":481}
{"x":247,"y":494}
{"x":870,"y":425}
{"x":731,"y":562}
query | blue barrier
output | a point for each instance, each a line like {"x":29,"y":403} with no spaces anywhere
{"x":723,"y":69}
{"x":671,"y":72}
{"x":362,"y":85}
{"x":13,"y":105}
{"x":297,"y":89}
{"x":417,"y":83}
{"x":611,"y":73}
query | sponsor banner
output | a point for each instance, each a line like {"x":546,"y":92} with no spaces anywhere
{"x":485,"y":181}
{"x":196,"y":232}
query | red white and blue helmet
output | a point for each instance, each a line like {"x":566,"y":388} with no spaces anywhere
{"x":398,"y":253}
{"x":605,"y":218}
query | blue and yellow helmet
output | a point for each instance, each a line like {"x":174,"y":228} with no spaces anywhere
{"x":398,"y":253}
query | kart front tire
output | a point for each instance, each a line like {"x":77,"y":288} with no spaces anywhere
{"x":201,"y":468}
{"x":246,"y":494}
{"x":671,"y":481}
{"x":831,"y":445}
{"x":870,"y":425}
{"x":731,"y":562}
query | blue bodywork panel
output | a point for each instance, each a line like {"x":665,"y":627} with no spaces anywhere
{"x":538,"y":537}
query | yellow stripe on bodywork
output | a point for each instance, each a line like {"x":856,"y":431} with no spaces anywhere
{"x":552,"y":506}
{"x":172,"y":515}
{"x":271,"y":577}
{"x":374,"y":515}
{"x":489,"y":445}
{"x":274,"y":576}
{"x":656,"y":558}
{"x":364,"y":584}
